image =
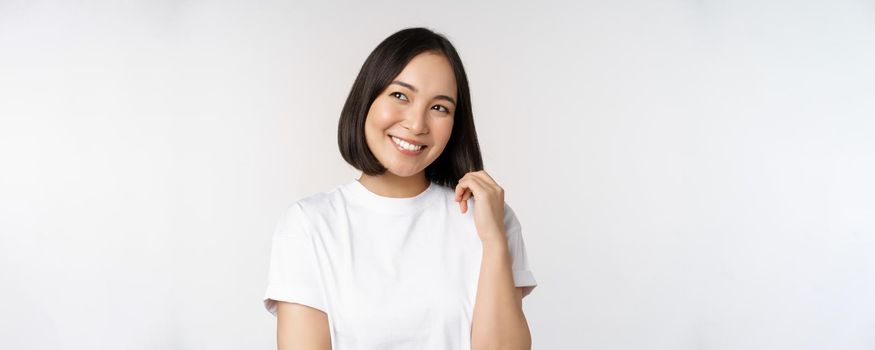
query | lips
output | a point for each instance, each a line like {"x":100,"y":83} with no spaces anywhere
{"x":409,"y":141}
{"x":406,"y":151}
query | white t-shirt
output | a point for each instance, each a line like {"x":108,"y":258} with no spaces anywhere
{"x":390,"y":273}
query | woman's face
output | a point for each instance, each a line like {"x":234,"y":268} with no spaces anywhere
{"x":418,"y":106}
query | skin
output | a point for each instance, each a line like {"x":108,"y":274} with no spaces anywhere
{"x":498,"y":321}
{"x":413,"y":115}
{"x":413,"y":109}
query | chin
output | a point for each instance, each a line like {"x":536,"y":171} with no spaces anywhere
{"x":402,"y":170}
{"x":403,"y":173}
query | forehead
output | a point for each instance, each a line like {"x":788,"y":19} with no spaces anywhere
{"x":430,"y":73}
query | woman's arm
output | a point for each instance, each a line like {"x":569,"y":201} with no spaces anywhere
{"x":498,"y":321}
{"x":300,"y":327}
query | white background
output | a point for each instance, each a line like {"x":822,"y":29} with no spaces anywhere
{"x":688,"y":174}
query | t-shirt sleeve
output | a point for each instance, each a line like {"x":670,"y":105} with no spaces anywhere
{"x":293,"y":275}
{"x":522,"y":273}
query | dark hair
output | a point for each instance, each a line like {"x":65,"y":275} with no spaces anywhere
{"x":462,"y":153}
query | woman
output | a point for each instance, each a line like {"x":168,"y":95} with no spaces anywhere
{"x":389,"y":260}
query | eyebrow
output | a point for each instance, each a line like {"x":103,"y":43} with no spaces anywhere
{"x":411,"y":87}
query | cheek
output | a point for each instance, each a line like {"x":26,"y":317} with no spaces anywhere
{"x":442,"y":131}
{"x":447,"y":127}
{"x":375,"y":124}
{"x":380,"y":115}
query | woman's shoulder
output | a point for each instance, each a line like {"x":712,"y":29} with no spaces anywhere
{"x":300,"y":214}
{"x":316,"y":203}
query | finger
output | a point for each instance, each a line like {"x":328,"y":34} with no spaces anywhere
{"x":487,"y":184}
{"x":460,"y":192}
{"x":460,"y":189}
{"x":465,"y":197}
{"x":464,"y":191}
{"x":487,"y":181}
{"x":473,"y":186}
{"x":483,"y":175}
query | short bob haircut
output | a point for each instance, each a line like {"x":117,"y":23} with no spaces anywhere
{"x":462,"y":153}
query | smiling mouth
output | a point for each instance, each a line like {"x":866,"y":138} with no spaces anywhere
{"x":405,"y":147}
{"x":400,"y":139}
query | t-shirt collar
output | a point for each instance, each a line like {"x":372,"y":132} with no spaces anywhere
{"x":359,"y":193}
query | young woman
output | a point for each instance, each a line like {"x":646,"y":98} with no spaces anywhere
{"x":421,"y":251}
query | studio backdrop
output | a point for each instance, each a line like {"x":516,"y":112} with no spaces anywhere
{"x":687,"y":174}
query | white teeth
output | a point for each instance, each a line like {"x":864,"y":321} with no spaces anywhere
{"x":405,"y":145}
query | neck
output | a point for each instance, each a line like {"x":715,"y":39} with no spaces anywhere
{"x":394,"y":186}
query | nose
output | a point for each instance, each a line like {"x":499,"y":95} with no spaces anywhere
{"x":416,"y":121}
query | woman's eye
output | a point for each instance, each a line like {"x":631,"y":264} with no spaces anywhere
{"x":396,"y":94}
{"x":445,"y":109}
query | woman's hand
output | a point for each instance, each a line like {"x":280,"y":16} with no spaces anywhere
{"x":488,"y":204}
